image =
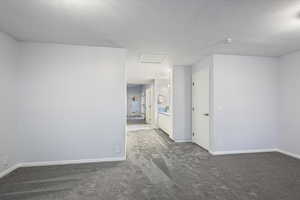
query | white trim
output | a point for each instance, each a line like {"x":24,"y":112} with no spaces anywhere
{"x":9,"y":170}
{"x":62,"y":162}
{"x":112,"y":159}
{"x":170,"y":136}
{"x":67,"y":162}
{"x":289,"y":153}
{"x":242,"y":151}
{"x":184,"y":140}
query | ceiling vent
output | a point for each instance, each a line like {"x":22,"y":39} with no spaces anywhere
{"x":153,"y":58}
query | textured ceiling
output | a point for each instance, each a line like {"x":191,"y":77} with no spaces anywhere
{"x":186,"y":30}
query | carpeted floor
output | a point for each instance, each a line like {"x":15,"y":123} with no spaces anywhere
{"x":139,"y":127}
{"x":158,"y":169}
{"x":136,"y":121}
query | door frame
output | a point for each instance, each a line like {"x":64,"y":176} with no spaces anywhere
{"x":207,"y":62}
{"x":147,"y":98}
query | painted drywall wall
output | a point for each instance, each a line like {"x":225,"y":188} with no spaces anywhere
{"x":163,"y":90}
{"x":289,"y":136}
{"x":71,"y":102}
{"x":134,"y":107}
{"x":245,"y":102}
{"x":8,"y":139}
{"x":182,"y":103}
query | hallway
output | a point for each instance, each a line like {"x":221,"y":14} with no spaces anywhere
{"x":157,"y":169}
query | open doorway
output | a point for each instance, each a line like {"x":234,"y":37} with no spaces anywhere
{"x":135,"y":104}
{"x":149,"y":97}
{"x":140,"y":106}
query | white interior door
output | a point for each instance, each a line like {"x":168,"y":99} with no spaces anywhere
{"x":201,"y":97}
{"x":148,"y":105}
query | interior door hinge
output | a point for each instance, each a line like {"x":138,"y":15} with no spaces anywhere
{"x":193,"y":83}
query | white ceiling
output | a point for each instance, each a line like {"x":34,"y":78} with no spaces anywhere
{"x":144,"y":73}
{"x":184,"y":29}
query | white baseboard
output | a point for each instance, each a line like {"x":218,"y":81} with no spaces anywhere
{"x":242,"y":151}
{"x":67,"y":162}
{"x":62,"y":162}
{"x":181,"y":141}
{"x":9,"y":170}
{"x":112,"y":159}
{"x":289,"y":153}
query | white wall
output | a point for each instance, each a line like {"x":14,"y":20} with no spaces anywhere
{"x":71,"y":102}
{"x":162,"y":87}
{"x":245,"y":93}
{"x":289,"y":136}
{"x":182,"y":103}
{"x":8,"y":139}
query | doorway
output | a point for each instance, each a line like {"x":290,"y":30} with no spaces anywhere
{"x":139,"y":106}
{"x":135,"y":99}
{"x":201,"y":106}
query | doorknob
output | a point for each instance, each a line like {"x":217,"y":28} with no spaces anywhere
{"x":206,"y":114}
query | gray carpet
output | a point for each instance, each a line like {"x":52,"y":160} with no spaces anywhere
{"x":158,"y":169}
{"x":136,"y":121}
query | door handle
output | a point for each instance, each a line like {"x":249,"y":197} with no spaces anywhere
{"x":206,"y":114}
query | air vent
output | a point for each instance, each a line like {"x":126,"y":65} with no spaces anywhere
{"x":153,"y":58}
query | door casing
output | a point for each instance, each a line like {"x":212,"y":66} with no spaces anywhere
{"x":149,"y":105}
